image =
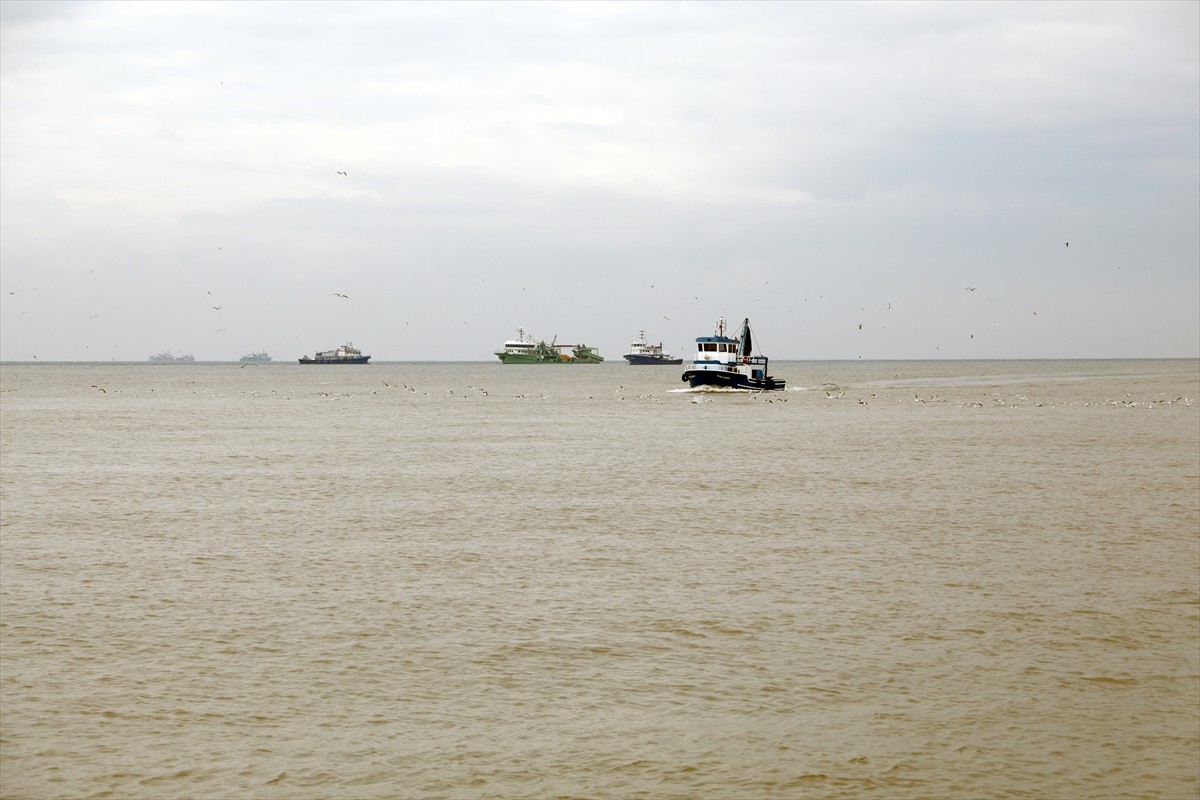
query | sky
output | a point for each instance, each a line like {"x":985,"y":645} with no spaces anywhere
{"x":896,"y":180}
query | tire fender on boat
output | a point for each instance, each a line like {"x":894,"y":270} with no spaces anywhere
{"x":683,"y":377}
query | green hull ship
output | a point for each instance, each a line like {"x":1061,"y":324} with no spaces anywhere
{"x":527,"y":350}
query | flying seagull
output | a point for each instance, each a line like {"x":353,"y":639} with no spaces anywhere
{"x":339,"y":294}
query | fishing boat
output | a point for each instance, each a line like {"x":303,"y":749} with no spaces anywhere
{"x":725,"y":362}
{"x":526,"y":349}
{"x":262,"y":357}
{"x":346,"y":354}
{"x":641,"y":352}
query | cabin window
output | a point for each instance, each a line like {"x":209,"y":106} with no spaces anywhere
{"x":710,"y":347}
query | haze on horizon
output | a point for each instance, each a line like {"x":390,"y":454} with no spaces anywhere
{"x":891,"y":180}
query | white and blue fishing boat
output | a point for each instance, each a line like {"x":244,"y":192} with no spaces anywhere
{"x":729,"y":363}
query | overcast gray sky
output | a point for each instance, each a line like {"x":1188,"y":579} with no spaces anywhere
{"x":891,"y":180}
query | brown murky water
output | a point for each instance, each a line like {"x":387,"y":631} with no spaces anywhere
{"x":901,"y":580}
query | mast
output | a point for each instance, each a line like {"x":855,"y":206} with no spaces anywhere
{"x":745,"y":343}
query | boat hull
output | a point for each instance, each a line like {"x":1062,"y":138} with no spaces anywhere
{"x":355,"y":360}
{"x":731,"y":379}
{"x":505,"y":358}
{"x":640,"y":361}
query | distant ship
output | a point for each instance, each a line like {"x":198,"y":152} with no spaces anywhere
{"x":642,"y":352}
{"x":166,"y":357}
{"x":728,"y":363}
{"x":527,"y":350}
{"x":256,"y":358}
{"x":346,"y":354}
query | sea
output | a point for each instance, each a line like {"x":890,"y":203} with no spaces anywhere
{"x":894,"y":579}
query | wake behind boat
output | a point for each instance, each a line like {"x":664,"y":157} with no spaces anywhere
{"x":728,"y":363}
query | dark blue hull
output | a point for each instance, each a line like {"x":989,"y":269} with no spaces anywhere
{"x":730,"y":380}
{"x":648,"y":360}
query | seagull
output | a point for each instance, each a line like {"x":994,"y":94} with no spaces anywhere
{"x":339,"y":294}
{"x":217,"y":308}
{"x":341,"y":173}
{"x":971,"y":288}
{"x":1068,"y":244}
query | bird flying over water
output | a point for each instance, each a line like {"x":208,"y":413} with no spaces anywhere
{"x":339,"y":294}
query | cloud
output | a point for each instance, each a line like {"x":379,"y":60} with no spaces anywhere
{"x":847,"y":147}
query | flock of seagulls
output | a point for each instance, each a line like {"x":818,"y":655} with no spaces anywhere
{"x":828,"y":392}
{"x":861,"y":326}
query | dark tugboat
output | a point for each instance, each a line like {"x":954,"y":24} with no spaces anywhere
{"x":642,"y":352}
{"x":728,"y":363}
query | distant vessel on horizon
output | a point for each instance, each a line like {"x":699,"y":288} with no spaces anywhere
{"x":527,"y":350}
{"x":167,"y":357}
{"x":261,"y":357}
{"x":641,"y":352}
{"x":346,"y":354}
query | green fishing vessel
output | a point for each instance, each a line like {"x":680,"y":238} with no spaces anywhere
{"x":527,"y":350}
